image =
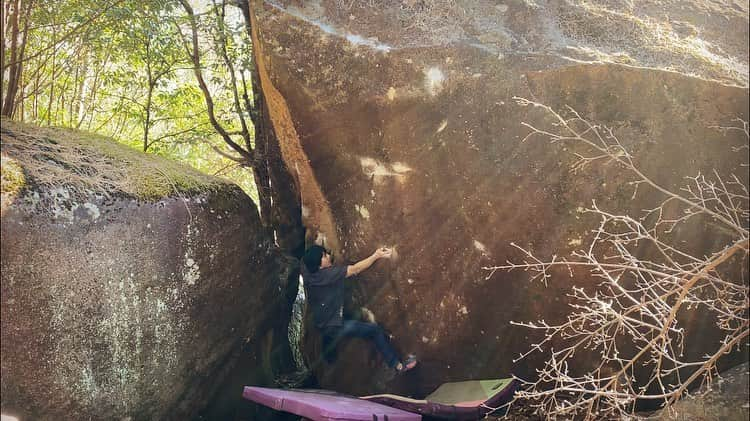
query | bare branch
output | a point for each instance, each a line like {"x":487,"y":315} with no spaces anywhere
{"x":639,"y":299}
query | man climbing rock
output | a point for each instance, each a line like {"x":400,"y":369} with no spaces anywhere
{"x":325,"y":288}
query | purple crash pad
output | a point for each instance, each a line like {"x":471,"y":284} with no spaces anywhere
{"x":325,"y":406}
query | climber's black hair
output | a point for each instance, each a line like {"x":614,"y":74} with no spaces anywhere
{"x":313,"y":256}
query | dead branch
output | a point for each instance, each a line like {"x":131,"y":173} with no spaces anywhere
{"x":638,"y":299}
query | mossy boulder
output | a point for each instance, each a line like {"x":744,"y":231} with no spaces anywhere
{"x":129,"y":283}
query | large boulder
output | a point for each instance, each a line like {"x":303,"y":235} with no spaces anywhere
{"x":400,"y":123}
{"x":130,"y":284}
{"x":727,"y":398}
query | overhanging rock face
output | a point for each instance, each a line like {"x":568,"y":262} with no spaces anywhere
{"x":402,"y":128}
{"x":129,"y":283}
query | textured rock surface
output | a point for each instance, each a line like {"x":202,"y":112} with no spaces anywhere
{"x":727,"y":399}
{"x":400,"y":124}
{"x":116,"y":306}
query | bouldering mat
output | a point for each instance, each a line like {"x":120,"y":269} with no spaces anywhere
{"x":468,"y":400}
{"x":320,"y":405}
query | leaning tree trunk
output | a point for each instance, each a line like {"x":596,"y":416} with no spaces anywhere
{"x":286,"y":213}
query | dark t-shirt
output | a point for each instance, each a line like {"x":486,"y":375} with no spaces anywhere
{"x":325,"y":295}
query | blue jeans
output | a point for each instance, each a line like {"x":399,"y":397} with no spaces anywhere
{"x":355,"y":329}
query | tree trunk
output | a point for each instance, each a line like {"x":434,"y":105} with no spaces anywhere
{"x":6,"y":35}
{"x":194,"y":53}
{"x":73,"y":95}
{"x":147,"y":120}
{"x":19,"y":108}
{"x":61,"y":101}
{"x":94,"y":90}
{"x":35,"y":107}
{"x":286,"y":212}
{"x":80,"y":97}
{"x":260,"y":170}
{"x":10,"y":94}
{"x":16,"y":70}
{"x":52,"y":81}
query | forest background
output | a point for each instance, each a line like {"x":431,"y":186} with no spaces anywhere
{"x":127,"y":69}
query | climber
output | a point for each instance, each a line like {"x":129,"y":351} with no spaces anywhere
{"x":324,"y":282}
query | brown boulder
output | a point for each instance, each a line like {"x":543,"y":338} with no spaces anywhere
{"x":401,"y":127}
{"x":129,"y":283}
{"x":726,"y":399}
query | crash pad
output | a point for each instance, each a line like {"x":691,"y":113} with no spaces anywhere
{"x":467,"y":400}
{"x":321,"y":405}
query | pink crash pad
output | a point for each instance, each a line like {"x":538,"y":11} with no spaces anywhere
{"x":325,"y":406}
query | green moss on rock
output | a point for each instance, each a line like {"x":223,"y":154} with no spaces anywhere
{"x":11,"y":176}
{"x":85,"y":162}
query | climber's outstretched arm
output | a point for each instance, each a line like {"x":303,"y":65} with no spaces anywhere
{"x":382,"y":252}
